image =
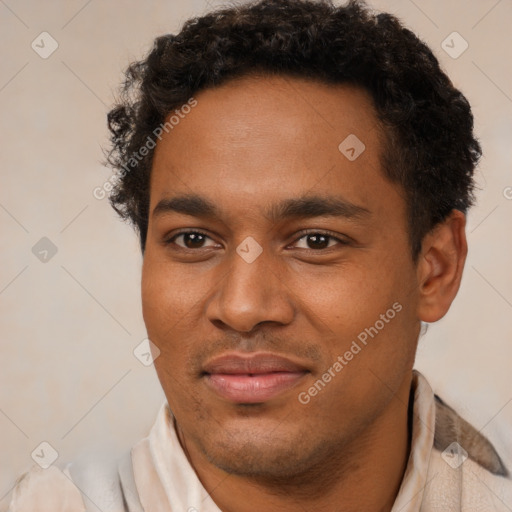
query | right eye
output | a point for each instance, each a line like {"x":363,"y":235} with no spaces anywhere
{"x":190,"y":240}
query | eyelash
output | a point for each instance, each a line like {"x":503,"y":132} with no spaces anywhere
{"x":304,"y":234}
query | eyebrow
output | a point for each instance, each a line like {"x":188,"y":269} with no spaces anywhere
{"x":302,"y":207}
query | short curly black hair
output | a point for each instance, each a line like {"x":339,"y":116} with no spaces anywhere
{"x":430,"y":147}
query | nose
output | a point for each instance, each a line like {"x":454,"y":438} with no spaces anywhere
{"x":250,"y":294}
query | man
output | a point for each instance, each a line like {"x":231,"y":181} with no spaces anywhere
{"x":298,"y":174}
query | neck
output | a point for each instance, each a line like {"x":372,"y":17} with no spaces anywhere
{"x":363,"y":474}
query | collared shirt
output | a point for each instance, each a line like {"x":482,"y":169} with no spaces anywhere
{"x":451,"y":467}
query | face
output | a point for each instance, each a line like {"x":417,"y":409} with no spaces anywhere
{"x":277,"y":280}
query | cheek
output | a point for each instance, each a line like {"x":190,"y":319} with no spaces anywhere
{"x":165,"y":304}
{"x":361,"y":301}
{"x":165,"y":297}
{"x":346,"y":296}
{"x":171,"y":307}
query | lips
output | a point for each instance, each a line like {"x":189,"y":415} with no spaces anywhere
{"x":252,"y":378}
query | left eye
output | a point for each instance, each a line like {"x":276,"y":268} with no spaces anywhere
{"x":319,"y":241}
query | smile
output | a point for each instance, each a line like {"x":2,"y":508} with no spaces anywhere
{"x":254,"y":378}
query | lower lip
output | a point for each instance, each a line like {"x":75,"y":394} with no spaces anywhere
{"x":252,"y":389}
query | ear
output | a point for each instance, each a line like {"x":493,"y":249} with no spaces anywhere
{"x":440,"y":266}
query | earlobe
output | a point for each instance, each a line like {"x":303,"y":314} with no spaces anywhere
{"x":440,"y":267}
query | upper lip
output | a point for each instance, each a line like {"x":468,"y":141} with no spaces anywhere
{"x":259,"y":363}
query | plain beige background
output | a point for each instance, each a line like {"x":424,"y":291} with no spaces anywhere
{"x":69,"y":325}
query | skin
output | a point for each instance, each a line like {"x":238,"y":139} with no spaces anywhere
{"x":249,"y":144}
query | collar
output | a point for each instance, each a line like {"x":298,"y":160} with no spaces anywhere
{"x":414,"y":482}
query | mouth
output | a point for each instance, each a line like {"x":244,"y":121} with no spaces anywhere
{"x":252,"y":378}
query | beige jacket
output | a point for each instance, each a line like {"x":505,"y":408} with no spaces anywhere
{"x":451,"y":468}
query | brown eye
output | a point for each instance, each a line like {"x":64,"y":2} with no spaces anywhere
{"x":318,"y":241}
{"x":190,"y":240}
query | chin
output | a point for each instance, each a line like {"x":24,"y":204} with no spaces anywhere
{"x":264,"y":456}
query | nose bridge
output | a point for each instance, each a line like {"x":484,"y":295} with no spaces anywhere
{"x":250,"y":292}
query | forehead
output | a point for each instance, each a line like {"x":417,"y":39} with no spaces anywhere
{"x":260,"y":137}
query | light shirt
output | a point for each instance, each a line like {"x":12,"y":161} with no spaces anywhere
{"x":157,"y":477}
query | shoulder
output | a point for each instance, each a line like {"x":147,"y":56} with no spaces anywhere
{"x":94,"y":482}
{"x":82,"y":486}
{"x":46,"y":490}
{"x":454,"y":432}
{"x":466,"y":472}
{"x":463,"y":485}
